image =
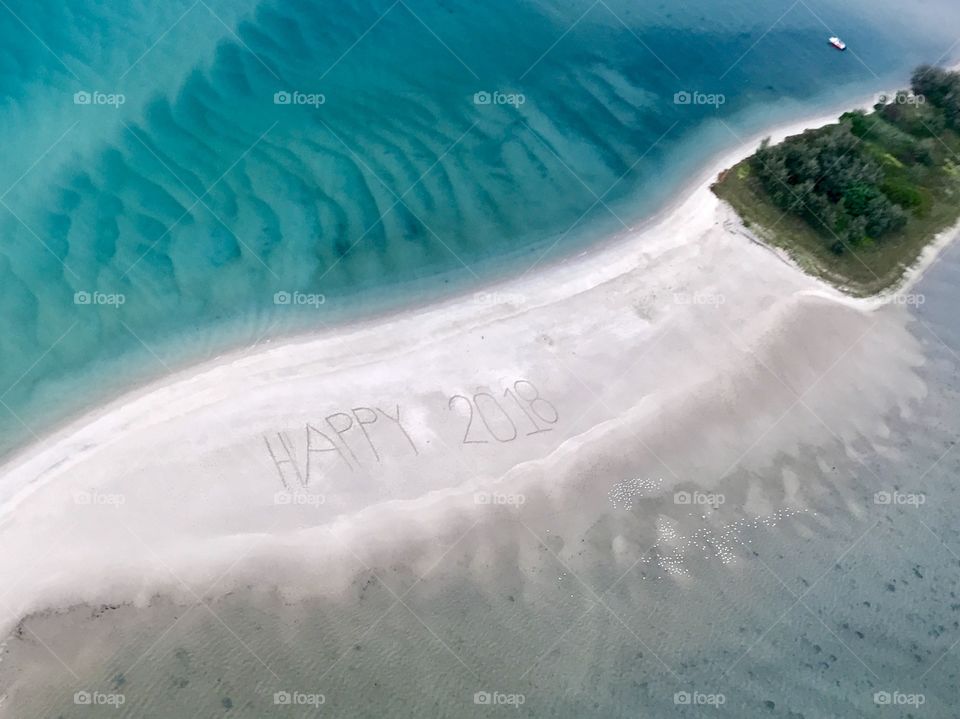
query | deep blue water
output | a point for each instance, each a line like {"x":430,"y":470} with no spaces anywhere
{"x":199,"y":198}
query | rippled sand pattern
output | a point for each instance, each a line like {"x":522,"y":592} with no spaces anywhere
{"x":142,"y":232}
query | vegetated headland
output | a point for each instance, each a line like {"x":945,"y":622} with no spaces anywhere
{"x":855,"y":202}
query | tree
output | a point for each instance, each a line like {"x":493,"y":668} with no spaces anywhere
{"x":941,"y":88}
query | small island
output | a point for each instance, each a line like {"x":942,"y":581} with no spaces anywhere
{"x":855,"y":202}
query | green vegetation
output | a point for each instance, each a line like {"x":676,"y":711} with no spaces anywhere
{"x":855,"y":202}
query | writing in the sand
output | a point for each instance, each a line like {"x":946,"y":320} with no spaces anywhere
{"x":488,"y":419}
{"x":351,"y":439}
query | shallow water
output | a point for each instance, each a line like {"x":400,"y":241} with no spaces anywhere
{"x":817,"y":611}
{"x":198,"y":199}
{"x":825,"y":607}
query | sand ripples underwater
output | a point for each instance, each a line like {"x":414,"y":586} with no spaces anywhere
{"x":166,"y":204}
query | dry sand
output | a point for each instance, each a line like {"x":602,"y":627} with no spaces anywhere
{"x":295,"y":465}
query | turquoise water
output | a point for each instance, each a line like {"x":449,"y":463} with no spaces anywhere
{"x":195,"y":198}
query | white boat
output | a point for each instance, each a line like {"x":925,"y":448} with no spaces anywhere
{"x":838,"y":43}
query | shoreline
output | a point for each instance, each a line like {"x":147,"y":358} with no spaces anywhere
{"x":910,"y":275}
{"x":663,"y":249}
{"x":504,"y":283}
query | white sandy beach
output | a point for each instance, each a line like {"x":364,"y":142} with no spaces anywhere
{"x":298,"y":463}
